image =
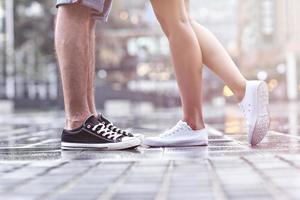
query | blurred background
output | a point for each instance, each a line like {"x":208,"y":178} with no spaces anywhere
{"x":133,"y":65}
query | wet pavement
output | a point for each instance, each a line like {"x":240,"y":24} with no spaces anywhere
{"x":32,"y":166}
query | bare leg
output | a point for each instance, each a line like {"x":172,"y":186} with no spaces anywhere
{"x":217,"y":59}
{"x":186,"y":54}
{"x":91,"y":69}
{"x":72,"y":43}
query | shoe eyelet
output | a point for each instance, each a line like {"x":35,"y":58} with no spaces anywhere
{"x":88,"y":126}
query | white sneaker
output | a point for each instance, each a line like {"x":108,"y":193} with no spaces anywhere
{"x":180,"y":135}
{"x":255,"y":109}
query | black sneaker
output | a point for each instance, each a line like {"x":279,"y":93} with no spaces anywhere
{"x":93,"y":134}
{"x":112,"y":127}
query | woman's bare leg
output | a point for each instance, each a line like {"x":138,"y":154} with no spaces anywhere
{"x":217,"y":59}
{"x":186,"y":55}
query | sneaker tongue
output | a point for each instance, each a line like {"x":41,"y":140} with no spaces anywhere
{"x":91,"y":120}
{"x":184,"y":124}
{"x":102,"y":119}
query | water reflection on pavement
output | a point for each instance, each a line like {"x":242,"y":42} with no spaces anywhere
{"x":31,"y":136}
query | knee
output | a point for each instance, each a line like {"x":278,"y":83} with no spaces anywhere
{"x":193,"y":22}
{"x":172,"y":25}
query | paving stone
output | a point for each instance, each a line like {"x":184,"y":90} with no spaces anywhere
{"x":125,"y":196}
{"x":75,"y":196}
{"x":139,"y":188}
{"x":18,"y":197}
{"x":178,"y":196}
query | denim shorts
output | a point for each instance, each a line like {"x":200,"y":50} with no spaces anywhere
{"x":101,"y":7}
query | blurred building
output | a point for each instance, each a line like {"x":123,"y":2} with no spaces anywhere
{"x":133,"y":59}
{"x":2,"y":49}
{"x":28,"y":71}
{"x":269,"y":42}
{"x":219,"y":17}
{"x":267,"y":29}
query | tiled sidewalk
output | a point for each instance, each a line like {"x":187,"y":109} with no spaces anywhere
{"x":33,"y":167}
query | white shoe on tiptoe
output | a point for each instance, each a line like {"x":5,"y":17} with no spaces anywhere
{"x":255,"y":109}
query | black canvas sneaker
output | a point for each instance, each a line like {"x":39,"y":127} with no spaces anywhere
{"x":94,"y":134}
{"x":112,"y":127}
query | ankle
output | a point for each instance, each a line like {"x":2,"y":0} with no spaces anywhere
{"x":240,"y":92}
{"x":195,"y":124}
{"x":93,"y":110}
{"x":70,"y":125}
{"x":95,"y":113}
{"x":75,"y":121}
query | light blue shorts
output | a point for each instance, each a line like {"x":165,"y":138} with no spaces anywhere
{"x":102,"y":7}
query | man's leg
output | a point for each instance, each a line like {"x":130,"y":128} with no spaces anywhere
{"x":72,"y":47}
{"x":91,"y":69}
{"x":186,"y":54}
{"x":74,"y":41}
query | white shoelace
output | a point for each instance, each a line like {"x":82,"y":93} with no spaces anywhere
{"x":112,"y":127}
{"x":178,"y":128}
{"x":104,"y":131}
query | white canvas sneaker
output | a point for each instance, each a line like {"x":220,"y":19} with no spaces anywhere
{"x":180,"y":135}
{"x":255,"y":109}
